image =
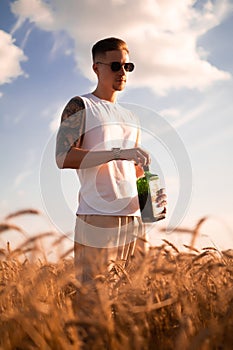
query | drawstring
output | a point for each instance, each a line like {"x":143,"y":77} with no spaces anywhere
{"x":125,"y":240}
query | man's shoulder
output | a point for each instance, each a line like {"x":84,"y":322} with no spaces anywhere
{"x":74,"y":108}
{"x":76,"y":102}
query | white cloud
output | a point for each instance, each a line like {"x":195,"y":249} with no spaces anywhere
{"x":190,"y":114}
{"x":55,"y":123}
{"x":38,"y":11}
{"x":53,"y":113}
{"x":162,"y":35}
{"x":171,"y":113}
{"x":21,"y":177}
{"x":11,"y":57}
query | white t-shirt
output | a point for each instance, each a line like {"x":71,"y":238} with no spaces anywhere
{"x":108,"y":189}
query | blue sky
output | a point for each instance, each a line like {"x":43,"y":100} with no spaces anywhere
{"x":183,"y":55}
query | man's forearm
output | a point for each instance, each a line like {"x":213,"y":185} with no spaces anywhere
{"x":78,"y":158}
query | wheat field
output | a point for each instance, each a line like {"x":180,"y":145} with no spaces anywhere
{"x":166,"y":299}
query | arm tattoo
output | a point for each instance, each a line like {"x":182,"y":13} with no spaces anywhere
{"x":72,"y":127}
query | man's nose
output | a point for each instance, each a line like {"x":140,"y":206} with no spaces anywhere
{"x":122,"y":70}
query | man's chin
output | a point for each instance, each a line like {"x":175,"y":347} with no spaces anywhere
{"x":119,"y":87}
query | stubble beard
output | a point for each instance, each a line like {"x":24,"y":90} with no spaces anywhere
{"x":119,"y":87}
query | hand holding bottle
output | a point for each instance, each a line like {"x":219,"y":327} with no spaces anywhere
{"x":152,"y":198}
{"x":161,"y":198}
{"x":137,"y":154}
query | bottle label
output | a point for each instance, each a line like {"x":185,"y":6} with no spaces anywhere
{"x":154,"y":188}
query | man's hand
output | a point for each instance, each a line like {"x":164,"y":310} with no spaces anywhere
{"x":162,"y":199}
{"x":136,"y":154}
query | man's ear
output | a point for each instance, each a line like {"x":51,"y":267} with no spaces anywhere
{"x":95,"y":68}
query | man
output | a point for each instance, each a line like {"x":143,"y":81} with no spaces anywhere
{"x":100,"y":139}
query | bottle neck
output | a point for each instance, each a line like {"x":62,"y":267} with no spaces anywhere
{"x":147,"y":172}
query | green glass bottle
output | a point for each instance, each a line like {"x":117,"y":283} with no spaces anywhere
{"x":148,"y":187}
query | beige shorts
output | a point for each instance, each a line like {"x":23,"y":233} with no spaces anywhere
{"x":102,"y":240}
{"x":102,"y":231}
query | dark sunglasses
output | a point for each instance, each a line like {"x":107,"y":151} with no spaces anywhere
{"x":116,"y":66}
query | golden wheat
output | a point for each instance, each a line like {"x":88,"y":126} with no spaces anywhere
{"x":165,"y":299}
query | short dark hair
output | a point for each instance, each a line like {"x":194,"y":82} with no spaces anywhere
{"x":108,"y":44}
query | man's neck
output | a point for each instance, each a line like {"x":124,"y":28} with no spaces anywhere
{"x":110,"y":96}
